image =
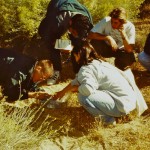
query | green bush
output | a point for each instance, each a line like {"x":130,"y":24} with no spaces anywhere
{"x":101,"y":8}
{"x":22,"y":17}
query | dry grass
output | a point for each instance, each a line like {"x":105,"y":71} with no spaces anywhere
{"x":70,"y":127}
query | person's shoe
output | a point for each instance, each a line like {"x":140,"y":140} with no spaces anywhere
{"x":54,"y":78}
{"x":53,"y":104}
{"x":108,"y":120}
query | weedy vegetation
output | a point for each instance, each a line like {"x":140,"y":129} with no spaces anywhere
{"x":29,"y":125}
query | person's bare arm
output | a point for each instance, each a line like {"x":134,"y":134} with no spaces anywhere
{"x":58,"y":95}
{"x":39,"y":95}
{"x":68,"y":88}
{"x":127,"y":46}
{"x":109,"y":39}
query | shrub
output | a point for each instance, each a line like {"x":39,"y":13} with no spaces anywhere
{"x":17,"y":131}
{"x":21,"y":16}
{"x":101,"y":8}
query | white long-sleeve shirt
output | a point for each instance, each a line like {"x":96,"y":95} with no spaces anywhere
{"x":105,"y":77}
{"x":104,"y":27}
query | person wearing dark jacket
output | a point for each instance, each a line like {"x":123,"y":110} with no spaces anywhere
{"x":20,"y":74}
{"x":15,"y":74}
{"x":63,"y":15}
{"x":144,"y":56}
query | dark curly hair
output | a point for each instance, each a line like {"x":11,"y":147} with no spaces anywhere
{"x":87,"y":55}
{"x":81,"y":24}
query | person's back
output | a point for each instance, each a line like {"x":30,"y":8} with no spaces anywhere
{"x":102,"y":76}
{"x":54,"y":9}
{"x":15,"y":76}
{"x":63,"y":16}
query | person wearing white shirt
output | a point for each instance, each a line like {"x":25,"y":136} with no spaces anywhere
{"x":103,"y":90}
{"x":114,"y":36}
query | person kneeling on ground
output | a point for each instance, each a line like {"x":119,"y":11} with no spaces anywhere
{"x":21,"y":74}
{"x":103,"y":90}
{"x":144,"y":56}
{"x":114,"y":36}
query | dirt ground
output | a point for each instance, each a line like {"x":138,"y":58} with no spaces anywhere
{"x":71,"y":126}
{"x":70,"y":118}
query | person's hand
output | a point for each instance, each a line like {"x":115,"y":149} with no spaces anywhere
{"x":39,"y":95}
{"x":68,"y":88}
{"x":59,"y":95}
{"x":127,"y":46}
{"x":112,"y":43}
{"x":121,"y":30}
{"x":75,"y":88}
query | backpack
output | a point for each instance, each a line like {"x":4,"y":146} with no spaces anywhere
{"x":15,"y":76}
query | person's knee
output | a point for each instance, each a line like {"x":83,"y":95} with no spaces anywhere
{"x":102,"y":48}
{"x":141,"y":57}
{"x":81,"y":99}
{"x":124,"y":60}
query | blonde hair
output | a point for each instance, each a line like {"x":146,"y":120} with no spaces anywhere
{"x":119,"y":13}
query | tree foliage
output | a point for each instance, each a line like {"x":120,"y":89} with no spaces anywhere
{"x":102,"y":8}
{"x":23,"y":16}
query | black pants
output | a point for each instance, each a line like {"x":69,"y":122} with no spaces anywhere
{"x":122,"y":59}
{"x":52,"y":27}
{"x":55,"y":57}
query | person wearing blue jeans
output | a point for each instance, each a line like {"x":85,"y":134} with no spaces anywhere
{"x":144,"y":56}
{"x":101,"y":104}
{"x":103,"y":90}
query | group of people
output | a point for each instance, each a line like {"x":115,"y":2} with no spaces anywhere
{"x":103,"y":90}
{"x":113,"y":36}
